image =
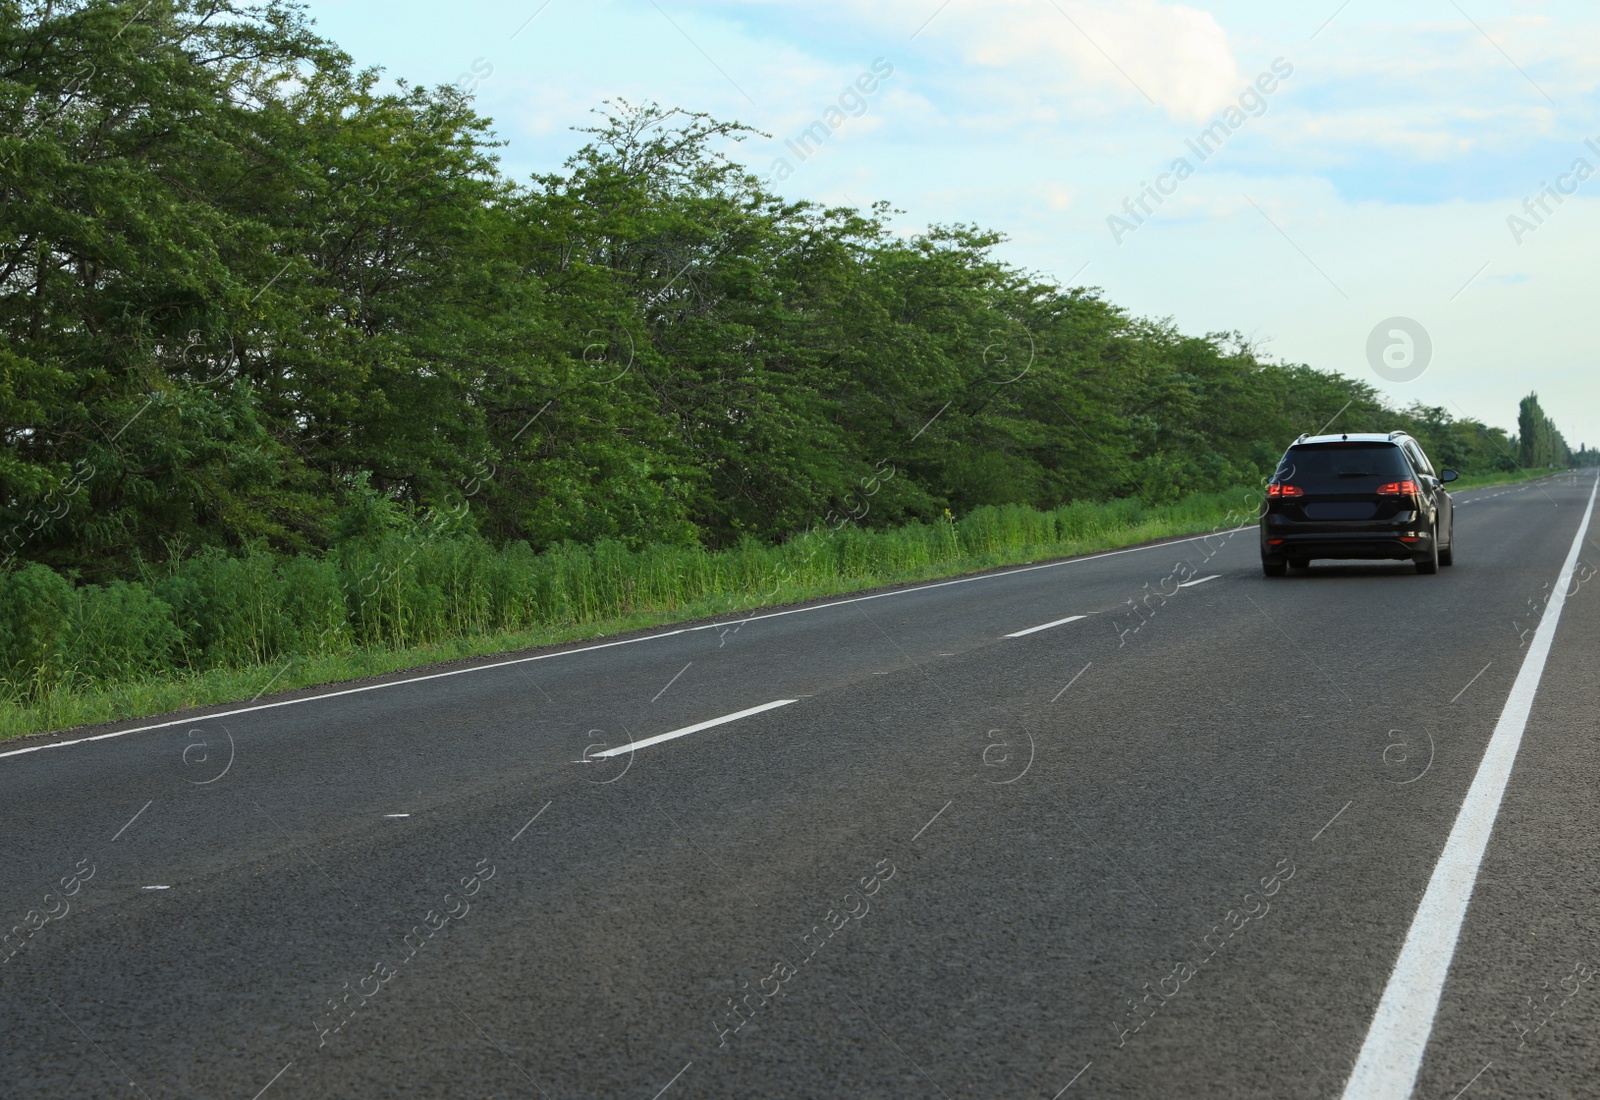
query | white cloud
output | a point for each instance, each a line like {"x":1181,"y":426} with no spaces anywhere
{"x":1175,"y":55}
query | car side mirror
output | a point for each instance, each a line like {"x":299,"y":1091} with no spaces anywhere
{"x":1448,"y":475}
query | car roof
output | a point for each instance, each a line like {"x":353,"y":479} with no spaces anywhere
{"x":1353,"y":437}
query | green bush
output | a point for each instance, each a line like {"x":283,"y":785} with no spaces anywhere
{"x":34,"y":605}
{"x":119,"y":632}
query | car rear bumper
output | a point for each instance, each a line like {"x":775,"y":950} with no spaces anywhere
{"x":1392,"y":541}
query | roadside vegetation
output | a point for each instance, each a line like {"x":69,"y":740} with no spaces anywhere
{"x":296,"y":384}
{"x":216,"y":628}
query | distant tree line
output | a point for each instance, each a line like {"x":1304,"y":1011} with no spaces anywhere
{"x":249,"y":298}
{"x":1538,"y":442}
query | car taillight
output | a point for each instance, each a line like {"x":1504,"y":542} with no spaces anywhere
{"x":1398,"y":489}
{"x":1276,"y":490}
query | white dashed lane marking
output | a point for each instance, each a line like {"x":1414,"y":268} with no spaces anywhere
{"x":1047,"y":626}
{"x":696,"y":728}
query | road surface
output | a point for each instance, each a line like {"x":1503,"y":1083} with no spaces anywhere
{"x":1142,"y":824}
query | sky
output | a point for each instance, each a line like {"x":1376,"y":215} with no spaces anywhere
{"x":1399,"y":192}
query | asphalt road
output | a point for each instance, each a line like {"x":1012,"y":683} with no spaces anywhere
{"x":1177,"y":860}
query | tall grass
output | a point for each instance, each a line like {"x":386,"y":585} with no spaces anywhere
{"x":214,"y":627}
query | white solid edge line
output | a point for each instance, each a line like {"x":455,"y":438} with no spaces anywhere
{"x":1391,"y":1056}
{"x":1047,"y":626}
{"x":1201,"y":580}
{"x":623,"y":641}
{"x":696,"y":728}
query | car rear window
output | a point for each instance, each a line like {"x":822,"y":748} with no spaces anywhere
{"x":1337,"y":461}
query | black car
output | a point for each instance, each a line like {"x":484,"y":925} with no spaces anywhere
{"x":1357,"y":496}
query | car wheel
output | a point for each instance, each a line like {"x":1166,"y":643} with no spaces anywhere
{"x":1430,"y":564}
{"x":1273,"y":568}
{"x":1447,"y":556}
